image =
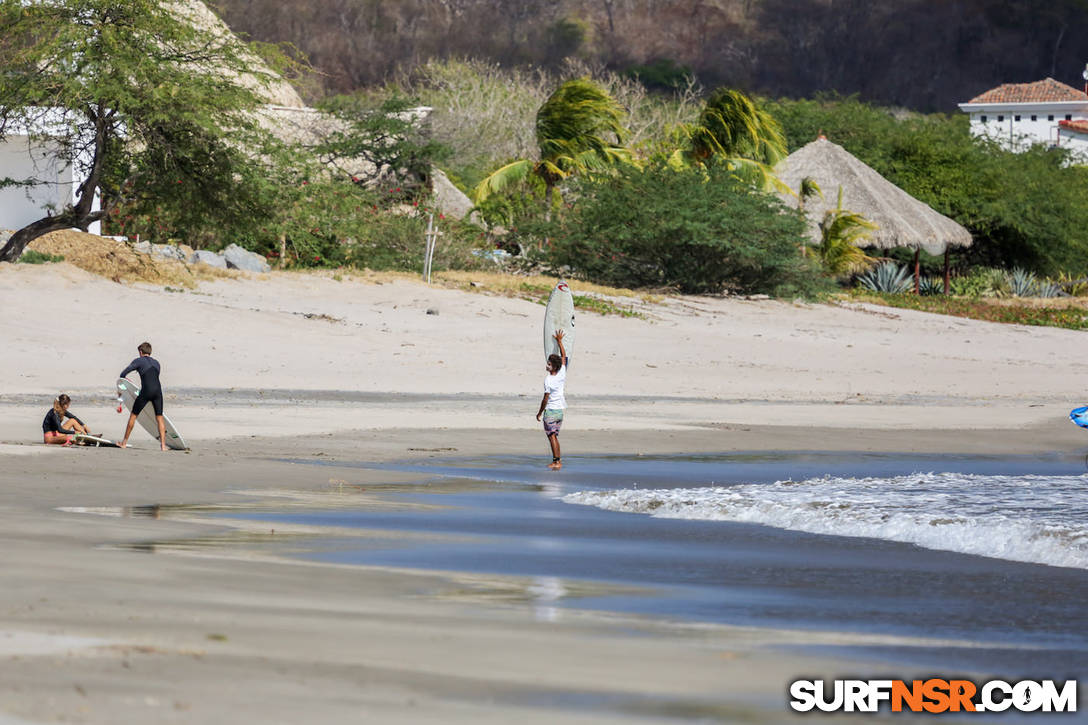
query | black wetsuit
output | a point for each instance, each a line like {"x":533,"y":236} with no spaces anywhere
{"x":150,"y":390}
{"x":54,"y":423}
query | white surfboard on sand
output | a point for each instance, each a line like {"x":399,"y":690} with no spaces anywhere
{"x":128,"y":392}
{"x":559,"y":315}
{"x":94,"y":441}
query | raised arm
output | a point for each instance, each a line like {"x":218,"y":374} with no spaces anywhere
{"x":562,"y":350}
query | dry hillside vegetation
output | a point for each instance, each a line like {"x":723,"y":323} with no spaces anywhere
{"x":922,"y":54}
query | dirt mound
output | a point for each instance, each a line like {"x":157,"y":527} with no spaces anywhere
{"x":117,"y":261}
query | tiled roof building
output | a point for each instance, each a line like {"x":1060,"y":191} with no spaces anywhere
{"x":1020,"y":115}
{"x":1047,"y":90}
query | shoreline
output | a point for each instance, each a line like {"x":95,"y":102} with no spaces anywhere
{"x":1054,"y":436}
{"x":80,"y":605}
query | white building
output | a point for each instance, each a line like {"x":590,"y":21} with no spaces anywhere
{"x":1018,"y":115}
{"x":28,"y":157}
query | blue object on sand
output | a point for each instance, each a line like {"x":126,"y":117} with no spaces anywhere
{"x":1079,"y":416}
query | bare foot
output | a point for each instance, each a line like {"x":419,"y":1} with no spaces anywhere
{"x":122,"y":444}
{"x":555,"y":465}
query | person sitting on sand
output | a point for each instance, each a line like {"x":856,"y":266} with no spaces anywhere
{"x":554,"y":403}
{"x":150,"y":392}
{"x":53,"y":430}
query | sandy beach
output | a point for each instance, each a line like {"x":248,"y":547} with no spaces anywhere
{"x":132,"y":593}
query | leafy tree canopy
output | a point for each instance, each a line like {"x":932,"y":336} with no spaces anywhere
{"x":145,"y":100}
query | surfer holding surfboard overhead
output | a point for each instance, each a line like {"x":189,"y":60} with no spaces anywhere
{"x":558,"y":327}
{"x":150,"y":392}
{"x":554,"y":402}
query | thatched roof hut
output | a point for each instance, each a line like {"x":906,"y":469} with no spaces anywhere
{"x":902,"y":220}
{"x":271,"y":88}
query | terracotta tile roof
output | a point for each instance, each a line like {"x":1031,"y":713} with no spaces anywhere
{"x":1078,"y":126}
{"x":1047,"y":90}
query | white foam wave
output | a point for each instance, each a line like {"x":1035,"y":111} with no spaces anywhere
{"x":1041,"y":519}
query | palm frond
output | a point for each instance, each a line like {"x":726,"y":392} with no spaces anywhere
{"x":552,"y":171}
{"x":502,"y":179}
{"x":733,"y":125}
{"x":579,"y":113}
{"x":579,"y":128}
{"x":809,"y":189}
{"x":841,"y":233}
{"x":678,"y":161}
{"x":601,"y":159}
{"x":756,"y":174}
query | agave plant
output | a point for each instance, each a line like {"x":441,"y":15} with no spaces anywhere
{"x":1022,"y":283}
{"x":1046,"y":288}
{"x":1074,"y":286}
{"x":888,"y":277}
{"x":931,"y":286}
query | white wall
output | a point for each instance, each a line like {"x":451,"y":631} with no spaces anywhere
{"x":19,"y":205}
{"x":1018,"y":135}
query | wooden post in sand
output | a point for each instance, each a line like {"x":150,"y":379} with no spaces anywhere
{"x":947,"y":273}
{"x":917,"y":270}
{"x":428,"y":251}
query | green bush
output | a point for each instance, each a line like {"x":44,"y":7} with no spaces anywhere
{"x":32,"y":257}
{"x":692,"y":230}
{"x":663,"y":74}
{"x":982,"y":282}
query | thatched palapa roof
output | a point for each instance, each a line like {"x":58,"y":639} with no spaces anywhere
{"x":271,"y":87}
{"x":902,"y":220}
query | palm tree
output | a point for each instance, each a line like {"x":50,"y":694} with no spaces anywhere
{"x":734,"y":130}
{"x":840,"y":233}
{"x":809,"y":189}
{"x":579,"y":128}
{"x":732,"y":125}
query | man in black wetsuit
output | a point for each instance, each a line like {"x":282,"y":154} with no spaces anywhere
{"x":150,"y":391}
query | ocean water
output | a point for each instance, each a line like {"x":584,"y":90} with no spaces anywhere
{"x":1030,"y":518}
{"x":989,"y":552}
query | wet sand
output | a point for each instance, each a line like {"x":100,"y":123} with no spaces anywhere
{"x":236,"y":628}
{"x":96,"y":630}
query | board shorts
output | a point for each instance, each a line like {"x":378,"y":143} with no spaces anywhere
{"x":553,"y":421}
{"x":143,"y":399}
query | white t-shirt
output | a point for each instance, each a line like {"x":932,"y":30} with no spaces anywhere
{"x":553,"y":386}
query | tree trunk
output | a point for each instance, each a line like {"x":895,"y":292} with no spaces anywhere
{"x":79,"y":215}
{"x":947,"y":273}
{"x":608,"y":10}
{"x":20,"y":239}
{"x":917,"y":270}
